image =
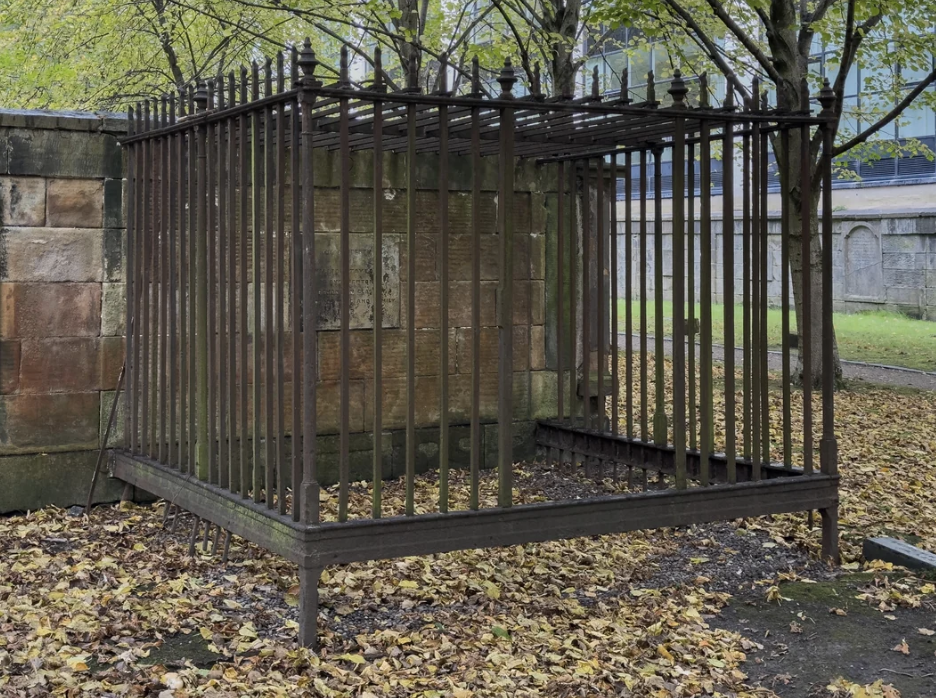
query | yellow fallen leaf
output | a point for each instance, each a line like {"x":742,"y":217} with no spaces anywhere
{"x":903,"y":647}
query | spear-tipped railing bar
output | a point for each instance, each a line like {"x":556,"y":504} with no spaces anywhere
{"x":344,"y":435}
{"x":443,"y":293}
{"x":279,"y":343}
{"x":706,"y":389}
{"x":756,"y":300}
{"x":678,"y":91}
{"x":728,"y":293}
{"x":629,"y":285}
{"x":506,"y":79}
{"x":295,"y":290}
{"x":660,"y":417}
{"x":225,"y":206}
{"x":475,"y":457}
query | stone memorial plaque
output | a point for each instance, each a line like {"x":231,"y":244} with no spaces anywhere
{"x":328,"y":263}
{"x":864,"y":274}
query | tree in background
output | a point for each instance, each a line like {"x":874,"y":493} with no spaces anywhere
{"x":777,"y":40}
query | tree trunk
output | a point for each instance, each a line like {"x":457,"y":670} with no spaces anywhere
{"x":792,"y":193}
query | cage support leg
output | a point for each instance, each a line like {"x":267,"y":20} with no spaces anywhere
{"x":830,"y":534}
{"x":308,"y":605}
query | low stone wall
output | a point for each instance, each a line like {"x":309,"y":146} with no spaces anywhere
{"x":61,"y":301}
{"x":881,"y":261}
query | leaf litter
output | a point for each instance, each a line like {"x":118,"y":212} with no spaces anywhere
{"x":84,"y":604}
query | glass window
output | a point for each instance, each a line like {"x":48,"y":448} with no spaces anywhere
{"x":917,"y":122}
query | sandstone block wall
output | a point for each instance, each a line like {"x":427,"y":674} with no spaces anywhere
{"x":61,"y":301}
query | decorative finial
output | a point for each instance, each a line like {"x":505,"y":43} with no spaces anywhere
{"x":729,"y":97}
{"x":703,"y":91}
{"x":443,"y":74}
{"x":827,"y":99}
{"x":201,"y":95}
{"x":476,"y":91}
{"x":764,"y":103}
{"x":344,"y":81}
{"x":625,"y":88}
{"x":804,"y":96}
{"x":678,"y":90}
{"x":754,"y":102}
{"x":595,"y":90}
{"x":651,"y":88}
{"x":379,"y":85}
{"x":307,"y":64}
{"x":507,"y":78}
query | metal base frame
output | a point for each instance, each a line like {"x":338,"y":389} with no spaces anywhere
{"x":312,"y":547}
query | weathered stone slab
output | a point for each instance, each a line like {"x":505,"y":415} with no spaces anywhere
{"x":60,"y":364}
{"x":54,"y":153}
{"x":327,"y":256}
{"x":76,"y":203}
{"x":51,"y":254}
{"x":22,"y":201}
{"x":899,"y":553}
{"x":60,"y":479}
{"x":50,"y":310}
{"x":115,"y":253}
{"x":118,"y":432}
{"x":47,"y":423}
{"x":114,"y":203}
{"x":864,"y":275}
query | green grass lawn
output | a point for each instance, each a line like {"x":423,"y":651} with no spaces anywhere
{"x":875,"y":337}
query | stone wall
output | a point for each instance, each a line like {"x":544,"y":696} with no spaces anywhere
{"x":881,"y":260}
{"x":61,"y":301}
{"x":62,"y":305}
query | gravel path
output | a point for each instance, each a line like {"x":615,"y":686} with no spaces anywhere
{"x":852,"y":370}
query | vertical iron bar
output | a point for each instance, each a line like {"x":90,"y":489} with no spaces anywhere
{"x":443,"y":306}
{"x":573,"y":306}
{"x":224,"y":207}
{"x":692,"y":328}
{"x":476,"y":176}
{"x":133,"y":241}
{"x":586,"y":300}
{"x":280,"y":288}
{"x":505,"y":307}
{"x":728,"y":276}
{"x":411,"y":307}
{"x":257,"y":252}
{"x":756,"y":300}
{"x":243,"y":166}
{"x":268,"y":342}
{"x":642,"y":254}
{"x":378,"y":305}
{"x":191,"y":272}
{"x":706,"y":389}
{"x":806,"y":320}
{"x":171,"y":291}
{"x":615,"y":343}
{"x":345,"y":302}
{"x":786,"y":184}
{"x":746,"y":291}
{"x":560,"y":278}
{"x":212,"y":242}
{"x":201,"y":304}
{"x":762,"y":364}
{"x":309,"y":495}
{"x":601,"y":324}
{"x":152,"y":266}
{"x":230,"y":329}
{"x":295,"y":289}
{"x":183,"y":154}
{"x":162,"y":232}
{"x":679,"y":302}
{"x":659,"y":362}
{"x":629,"y":284}
{"x":829,"y":447}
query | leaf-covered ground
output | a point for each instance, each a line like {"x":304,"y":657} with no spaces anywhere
{"x":108,"y":605}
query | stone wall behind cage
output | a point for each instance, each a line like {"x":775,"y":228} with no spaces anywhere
{"x":882,"y":260}
{"x":62,"y":305}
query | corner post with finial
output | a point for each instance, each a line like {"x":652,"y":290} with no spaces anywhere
{"x":678,"y":92}
{"x":507,"y":78}
{"x":309,"y":570}
{"x":828,"y":453}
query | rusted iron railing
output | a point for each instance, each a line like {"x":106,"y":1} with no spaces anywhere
{"x":258,"y":280}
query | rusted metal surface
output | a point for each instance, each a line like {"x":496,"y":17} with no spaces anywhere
{"x":225,"y":291}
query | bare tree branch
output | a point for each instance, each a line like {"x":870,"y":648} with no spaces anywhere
{"x":749,"y":44}
{"x":887,"y":118}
